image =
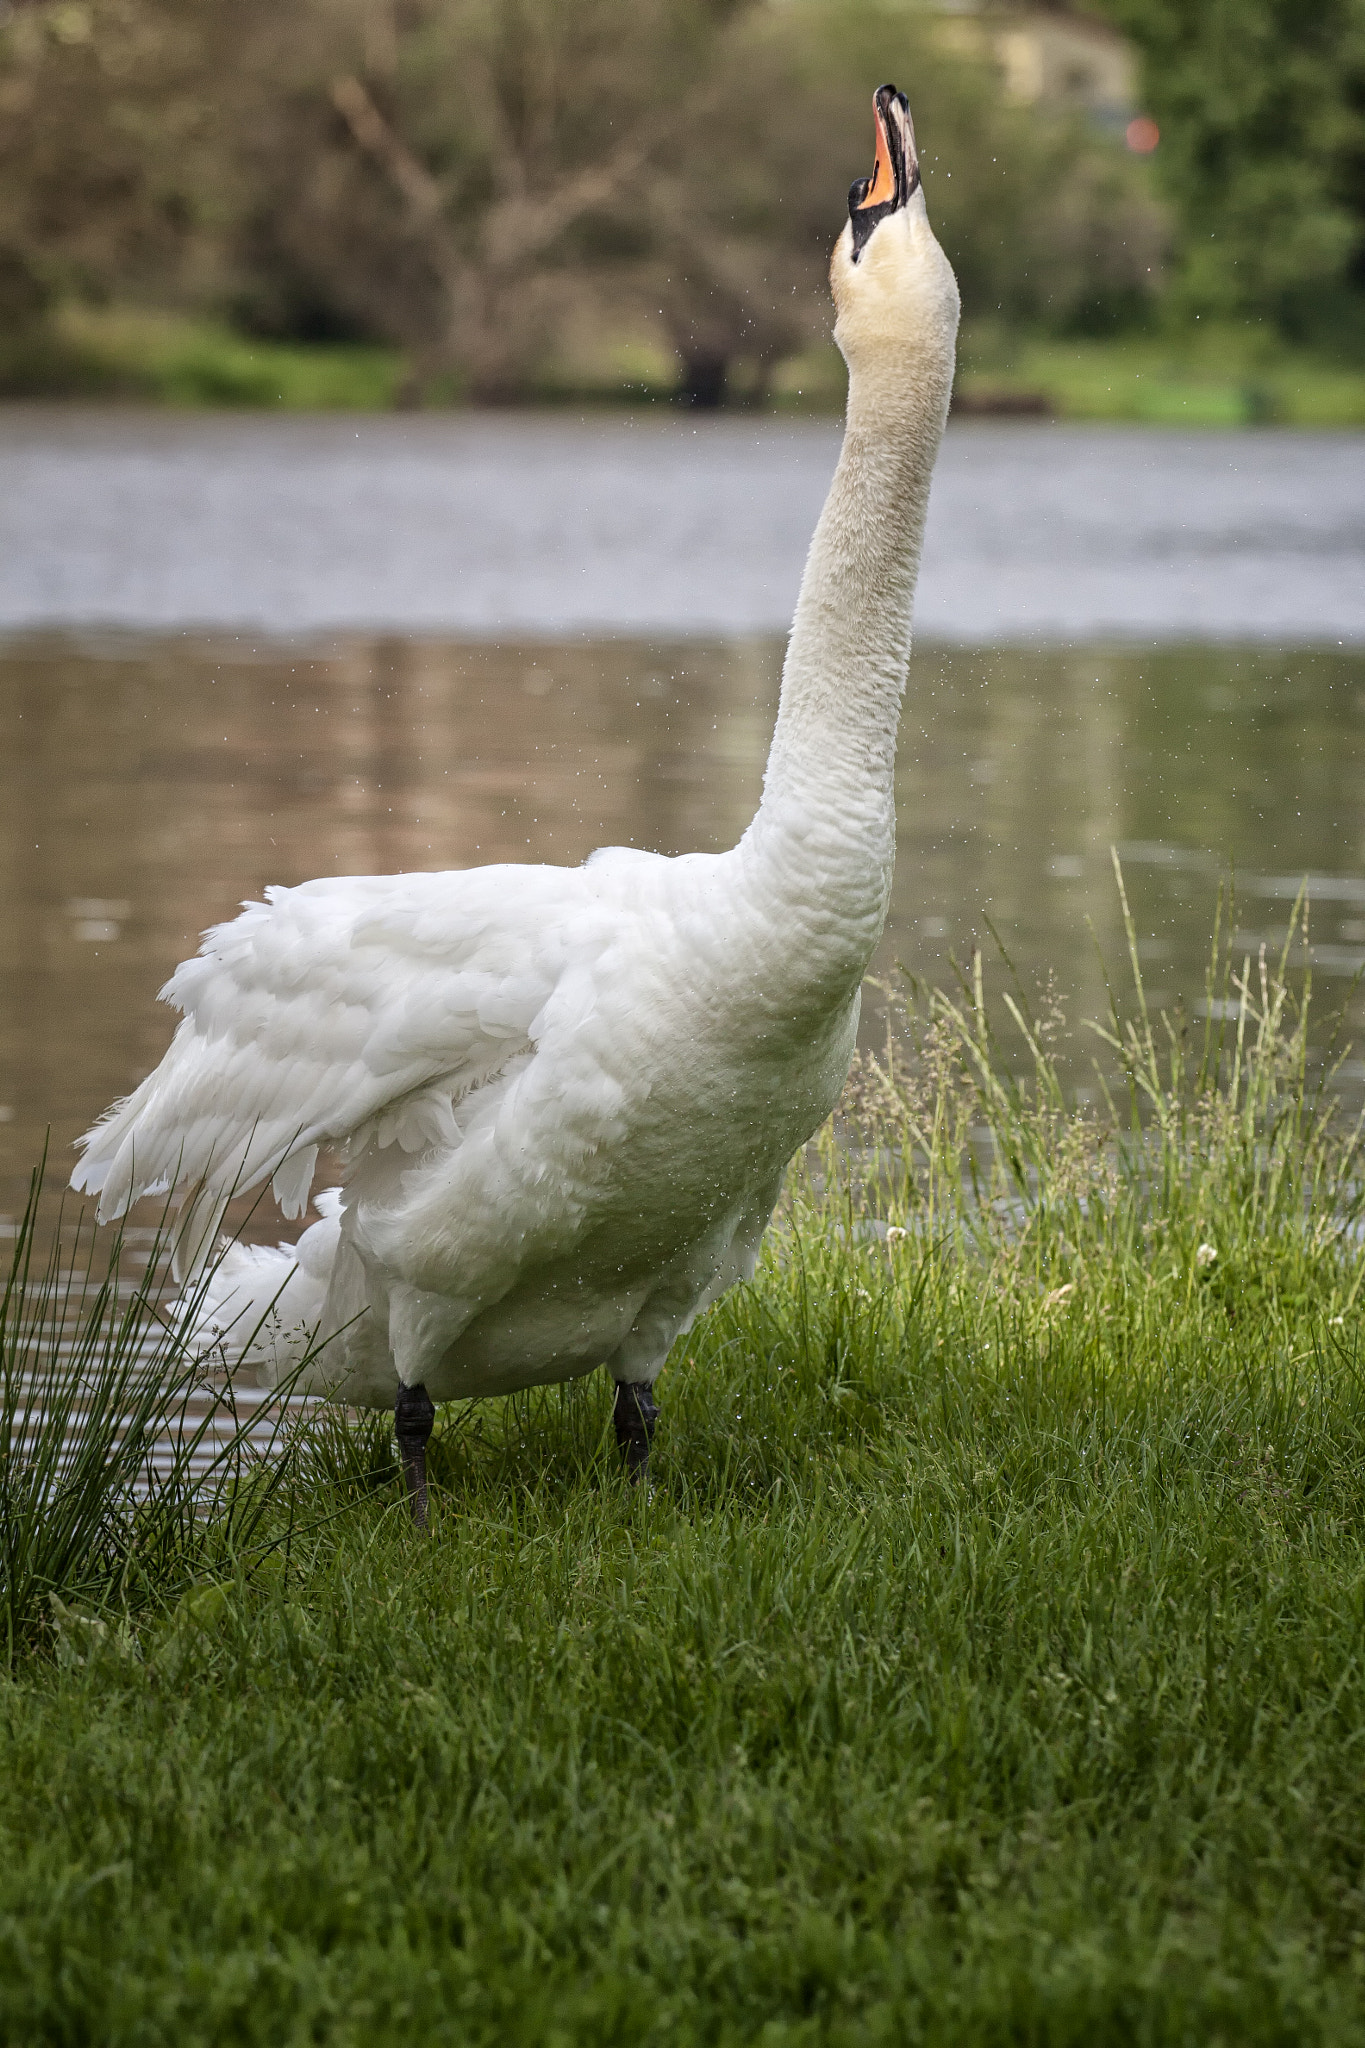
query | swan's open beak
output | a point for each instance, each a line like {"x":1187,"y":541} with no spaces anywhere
{"x":895,"y":174}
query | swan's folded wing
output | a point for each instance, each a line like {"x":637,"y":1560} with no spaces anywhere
{"x":333,"y":1006}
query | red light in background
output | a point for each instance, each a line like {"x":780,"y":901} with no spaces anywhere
{"x":1142,"y":135}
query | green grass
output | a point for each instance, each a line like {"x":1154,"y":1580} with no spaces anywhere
{"x":1215,"y":378}
{"x":169,"y":359}
{"x":988,"y":1665}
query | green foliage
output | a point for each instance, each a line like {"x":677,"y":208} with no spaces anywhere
{"x":1261,"y":105}
{"x":988,"y":1664}
{"x":106,"y":162}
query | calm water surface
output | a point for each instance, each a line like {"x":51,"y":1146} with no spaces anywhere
{"x":505,"y":527}
{"x":238,"y":651}
{"x":147,"y":786}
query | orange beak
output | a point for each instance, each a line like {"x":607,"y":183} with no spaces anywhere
{"x":883,"y":182}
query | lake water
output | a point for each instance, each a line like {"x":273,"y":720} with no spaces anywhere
{"x":244,"y":651}
{"x":546,"y":526}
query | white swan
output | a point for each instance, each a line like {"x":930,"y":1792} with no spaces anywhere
{"x":567,"y":1096}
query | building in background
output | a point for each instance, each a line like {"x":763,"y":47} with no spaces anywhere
{"x":1049,"y":57}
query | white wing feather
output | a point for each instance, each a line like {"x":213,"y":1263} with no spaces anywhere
{"x":333,"y":1006}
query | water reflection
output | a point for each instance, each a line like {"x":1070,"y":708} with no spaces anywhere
{"x":145,"y":788}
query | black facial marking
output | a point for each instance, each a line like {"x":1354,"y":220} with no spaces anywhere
{"x":865,"y":218}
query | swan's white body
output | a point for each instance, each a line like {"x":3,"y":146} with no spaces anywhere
{"x":567,"y":1097}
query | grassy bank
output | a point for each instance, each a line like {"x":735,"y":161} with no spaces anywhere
{"x":1219,"y":378}
{"x":1222,"y":377}
{"x":988,"y":1666}
{"x":168,"y":359}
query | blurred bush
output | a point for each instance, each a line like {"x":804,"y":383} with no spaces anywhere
{"x":475,"y":180}
{"x":1261,"y":107}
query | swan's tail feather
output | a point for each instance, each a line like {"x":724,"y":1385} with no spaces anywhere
{"x":261,"y":1306}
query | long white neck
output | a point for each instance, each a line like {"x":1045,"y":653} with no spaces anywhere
{"x":824,"y":835}
{"x":844,"y":675}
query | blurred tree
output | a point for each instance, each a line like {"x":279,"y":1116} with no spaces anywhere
{"x":465,"y":177}
{"x":458,"y":174}
{"x":454,"y":174}
{"x":108,"y":125}
{"x":1261,"y":107}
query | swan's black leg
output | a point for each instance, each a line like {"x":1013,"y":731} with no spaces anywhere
{"x":634,"y":1417}
{"x":413,"y":1414}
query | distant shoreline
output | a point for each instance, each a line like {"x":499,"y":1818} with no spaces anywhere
{"x":1219,"y":377}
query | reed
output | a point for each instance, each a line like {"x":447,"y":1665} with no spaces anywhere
{"x":1216,"y":1167}
{"x":126,"y":1468}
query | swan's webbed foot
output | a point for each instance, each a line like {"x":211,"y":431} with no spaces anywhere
{"x":633,"y":1418}
{"x":413,"y":1414}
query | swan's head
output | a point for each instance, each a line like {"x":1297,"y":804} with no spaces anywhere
{"x":893,"y":286}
